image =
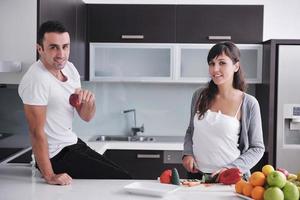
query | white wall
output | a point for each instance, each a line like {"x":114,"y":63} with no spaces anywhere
{"x":18,"y":19}
{"x":280,"y":17}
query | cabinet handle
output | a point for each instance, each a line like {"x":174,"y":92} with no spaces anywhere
{"x":148,"y":155}
{"x":132,"y":37}
{"x":219,"y":37}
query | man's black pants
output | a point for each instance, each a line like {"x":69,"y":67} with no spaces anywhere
{"x":81,"y":162}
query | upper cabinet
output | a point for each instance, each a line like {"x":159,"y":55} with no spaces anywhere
{"x":72,"y":13}
{"x":192,"y":63}
{"x":131,"y":23}
{"x":169,"y":43}
{"x":176,"y":63}
{"x":175,"y":23}
{"x":213,"y":23}
{"x":131,"y":62}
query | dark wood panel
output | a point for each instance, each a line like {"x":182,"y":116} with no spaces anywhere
{"x":72,"y":13}
{"x":7,"y":152}
{"x":244,"y":23}
{"x":107,"y":23}
{"x":24,"y":158}
{"x":142,"y":168}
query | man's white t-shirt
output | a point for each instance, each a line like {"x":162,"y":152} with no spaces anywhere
{"x":39,"y":87}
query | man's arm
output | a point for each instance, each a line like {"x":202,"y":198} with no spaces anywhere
{"x":87,"y":108}
{"x":36,"y":117}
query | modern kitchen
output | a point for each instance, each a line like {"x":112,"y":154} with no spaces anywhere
{"x":143,"y":60}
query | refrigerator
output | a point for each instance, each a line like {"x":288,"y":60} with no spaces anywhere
{"x":287,"y":106}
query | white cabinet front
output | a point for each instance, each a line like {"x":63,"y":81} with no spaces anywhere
{"x":178,"y":63}
{"x":130,"y":62}
{"x":193,"y":66}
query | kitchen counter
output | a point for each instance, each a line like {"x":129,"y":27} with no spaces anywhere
{"x":21,"y":182}
{"x":164,"y":143}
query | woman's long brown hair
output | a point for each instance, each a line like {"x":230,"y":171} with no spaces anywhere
{"x":209,"y":92}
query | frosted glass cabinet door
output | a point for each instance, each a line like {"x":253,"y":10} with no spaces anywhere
{"x":130,"y":62}
{"x":193,"y":65}
{"x":251,"y":62}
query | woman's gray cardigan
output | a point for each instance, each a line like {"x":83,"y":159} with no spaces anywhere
{"x":251,"y":142}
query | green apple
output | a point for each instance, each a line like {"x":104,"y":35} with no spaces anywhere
{"x":290,"y":191}
{"x":277,"y":179}
{"x":273,"y":193}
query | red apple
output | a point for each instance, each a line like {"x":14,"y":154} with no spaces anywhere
{"x":166,"y":176}
{"x":74,"y":100}
{"x":284,"y":171}
{"x":230,"y":176}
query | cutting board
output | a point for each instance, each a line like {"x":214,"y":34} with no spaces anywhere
{"x":215,"y":187}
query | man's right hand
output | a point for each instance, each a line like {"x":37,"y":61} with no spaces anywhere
{"x":189,"y":164}
{"x":59,"y":179}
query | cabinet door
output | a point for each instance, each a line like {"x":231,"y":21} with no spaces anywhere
{"x":131,"y":62}
{"x":193,"y":65}
{"x":72,"y":13}
{"x":212,"y":23}
{"x":143,"y":164}
{"x":131,"y":23}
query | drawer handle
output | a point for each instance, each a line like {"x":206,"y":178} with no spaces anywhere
{"x":132,"y":37}
{"x":219,"y":37}
{"x":148,"y":156}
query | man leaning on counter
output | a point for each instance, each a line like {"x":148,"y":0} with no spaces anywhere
{"x":45,"y":90}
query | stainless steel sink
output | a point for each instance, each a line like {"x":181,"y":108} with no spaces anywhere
{"x":125,"y":138}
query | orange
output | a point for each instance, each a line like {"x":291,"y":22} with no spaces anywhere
{"x":247,"y":189}
{"x":258,"y":193}
{"x":239,"y":186}
{"x":257,"y":179}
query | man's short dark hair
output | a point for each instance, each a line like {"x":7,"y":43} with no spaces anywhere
{"x":47,"y":27}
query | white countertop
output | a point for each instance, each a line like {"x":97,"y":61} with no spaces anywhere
{"x":164,"y":144}
{"x":101,"y":147}
{"x":18,"y":182}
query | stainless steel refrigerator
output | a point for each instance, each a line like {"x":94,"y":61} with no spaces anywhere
{"x":287,"y":124}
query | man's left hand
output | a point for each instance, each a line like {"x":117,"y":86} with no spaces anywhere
{"x":87,"y":107}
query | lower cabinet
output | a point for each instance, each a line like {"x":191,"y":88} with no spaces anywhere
{"x":147,"y":164}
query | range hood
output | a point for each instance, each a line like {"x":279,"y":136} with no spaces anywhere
{"x":10,"y":66}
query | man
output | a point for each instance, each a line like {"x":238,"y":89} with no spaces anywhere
{"x":45,"y":90}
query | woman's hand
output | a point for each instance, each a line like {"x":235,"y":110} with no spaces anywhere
{"x":189,"y":164}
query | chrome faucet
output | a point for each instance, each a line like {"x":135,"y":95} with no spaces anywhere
{"x":135,"y":129}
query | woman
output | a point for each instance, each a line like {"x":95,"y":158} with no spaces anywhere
{"x":225,"y":125}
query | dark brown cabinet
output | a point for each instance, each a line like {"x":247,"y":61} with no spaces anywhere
{"x":72,"y":13}
{"x":175,"y":23}
{"x":131,"y":23}
{"x":145,"y":164}
{"x":212,"y":23}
